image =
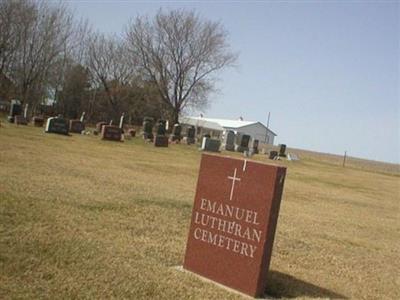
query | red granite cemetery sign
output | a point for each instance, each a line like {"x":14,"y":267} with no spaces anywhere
{"x":233,"y":222}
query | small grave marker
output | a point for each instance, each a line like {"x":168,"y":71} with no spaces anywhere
{"x":15,"y":110}
{"x":176,"y":133}
{"x":229,"y":140}
{"x":148,"y":128}
{"x":233,"y":223}
{"x":57,"y":125}
{"x":111,"y":133}
{"x":210,"y":144}
{"x":77,"y":126}
{"x":242,"y":142}
{"x":161,"y":140}
{"x":20,"y":120}
{"x":190,"y":135}
{"x":255,"y":146}
{"x":282,"y":150}
{"x":38,"y":121}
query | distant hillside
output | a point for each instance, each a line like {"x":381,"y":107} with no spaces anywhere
{"x":351,"y":162}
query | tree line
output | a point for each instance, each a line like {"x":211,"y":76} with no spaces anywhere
{"x":159,"y":66}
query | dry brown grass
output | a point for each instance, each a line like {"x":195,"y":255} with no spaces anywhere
{"x":83,"y":218}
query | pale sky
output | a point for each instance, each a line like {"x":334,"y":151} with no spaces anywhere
{"x":327,"y":71}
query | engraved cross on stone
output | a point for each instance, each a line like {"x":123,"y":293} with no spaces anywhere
{"x":234,"y":179}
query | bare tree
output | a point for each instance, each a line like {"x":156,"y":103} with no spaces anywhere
{"x":9,"y":33}
{"x":110,"y":67}
{"x":43,"y":32}
{"x":181,"y":54}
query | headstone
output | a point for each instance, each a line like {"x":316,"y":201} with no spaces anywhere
{"x":273,"y":154}
{"x":57,"y":125}
{"x":242,"y":142}
{"x":161,"y":141}
{"x":99,"y":127}
{"x":292,"y":156}
{"x":111,"y":133}
{"x":160,"y":127}
{"x":76,"y":126}
{"x":233,"y":223}
{"x":282,"y":150}
{"x":20,"y":120}
{"x":176,"y":133}
{"x":15,"y":110}
{"x":148,"y":128}
{"x":38,"y":121}
{"x":230,"y":140}
{"x":210,"y":144}
{"x":190,"y":135}
{"x":255,"y":146}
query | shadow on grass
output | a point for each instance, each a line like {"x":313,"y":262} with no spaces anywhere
{"x":281,"y":285}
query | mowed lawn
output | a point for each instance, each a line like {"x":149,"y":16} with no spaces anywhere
{"x":85,"y":218}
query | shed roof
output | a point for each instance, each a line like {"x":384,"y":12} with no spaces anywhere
{"x":220,"y":124}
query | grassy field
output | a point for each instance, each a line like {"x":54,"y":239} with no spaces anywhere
{"x":84,"y":218}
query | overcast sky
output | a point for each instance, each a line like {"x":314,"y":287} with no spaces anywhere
{"x":327,"y":71}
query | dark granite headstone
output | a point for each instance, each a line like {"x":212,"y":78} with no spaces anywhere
{"x":282,"y":150}
{"x":255,"y":146}
{"x":111,"y":133}
{"x":210,"y":145}
{"x":190,"y":135}
{"x":20,"y":120}
{"x":15,"y":110}
{"x":273,"y":154}
{"x":57,"y":125}
{"x":233,"y":223}
{"x":176,"y":133}
{"x":161,"y":141}
{"x":242,"y":142}
{"x":38,"y":121}
{"x":160,"y":127}
{"x":230,"y":140}
{"x":76,"y":126}
{"x":148,"y":128}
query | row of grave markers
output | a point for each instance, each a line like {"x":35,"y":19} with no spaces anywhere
{"x":232,"y":141}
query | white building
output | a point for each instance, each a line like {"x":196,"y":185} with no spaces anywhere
{"x":217,"y":128}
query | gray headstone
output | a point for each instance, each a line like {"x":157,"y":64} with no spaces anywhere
{"x":160,"y":127}
{"x":57,"y":125}
{"x":282,"y":150}
{"x":230,"y":140}
{"x":176,"y":133}
{"x":15,"y":110}
{"x":148,"y":128}
{"x":190,"y":135}
{"x":210,"y":145}
{"x":254,"y":146}
{"x":242,"y":142}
